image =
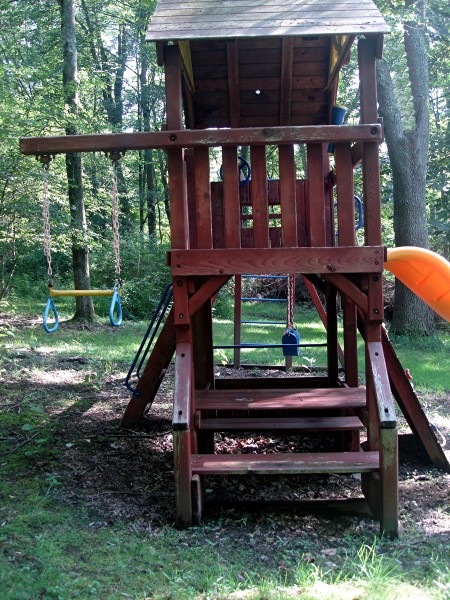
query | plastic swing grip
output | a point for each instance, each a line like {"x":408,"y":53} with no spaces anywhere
{"x":115,"y":302}
{"x":50,"y":306}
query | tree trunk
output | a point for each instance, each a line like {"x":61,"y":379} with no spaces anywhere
{"x":80,"y":257}
{"x":407,"y":143}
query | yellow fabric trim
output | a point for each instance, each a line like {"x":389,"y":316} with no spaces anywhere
{"x":185,"y":50}
{"x":339,"y":44}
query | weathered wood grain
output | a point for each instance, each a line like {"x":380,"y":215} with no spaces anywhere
{"x":233,"y":261}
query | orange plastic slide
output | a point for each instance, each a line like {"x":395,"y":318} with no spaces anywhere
{"x":426,"y":273}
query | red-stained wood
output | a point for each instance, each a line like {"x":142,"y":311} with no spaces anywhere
{"x":347,"y":237}
{"x":237,"y":320}
{"x":232,"y":215}
{"x":284,"y":464}
{"x":287,"y":195}
{"x":179,"y":223}
{"x":280,"y":423}
{"x":152,"y":374}
{"x":389,"y":482}
{"x":332,"y":335}
{"x":233,"y":83}
{"x":287,"y":56}
{"x":181,"y":316}
{"x":178,"y":138}
{"x":182,"y":403}
{"x":271,"y":383}
{"x":190,"y":190}
{"x":173,"y":62}
{"x":260,"y":204}
{"x":316,"y":195}
{"x":276,"y":260}
{"x":385,"y":402}
{"x":267,"y":399}
{"x":183,"y":477}
{"x":202,"y":199}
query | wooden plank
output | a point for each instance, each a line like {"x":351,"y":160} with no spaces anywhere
{"x":280,"y":424}
{"x":152,"y":375}
{"x":332,"y":335}
{"x":284,"y":464}
{"x":302,"y":382}
{"x":260,"y":204}
{"x":182,"y":398}
{"x":274,"y":260}
{"x":194,"y":138}
{"x":202,"y":199}
{"x":232,"y":215}
{"x":237,"y":321}
{"x":316,"y":196}
{"x":385,"y":402}
{"x":266,"y":399}
{"x":287,"y":58}
{"x":183,"y":478}
{"x":233,"y":83}
{"x":287,"y":194}
{"x":389,"y":482}
{"x":173,"y":62}
{"x":411,"y":407}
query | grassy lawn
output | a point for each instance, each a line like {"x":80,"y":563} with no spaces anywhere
{"x":61,"y":400}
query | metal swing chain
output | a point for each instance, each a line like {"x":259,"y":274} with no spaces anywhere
{"x":46,"y":216}
{"x":115,"y":220}
{"x":290,"y":301}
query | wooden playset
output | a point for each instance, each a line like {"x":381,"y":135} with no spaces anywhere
{"x":264,"y":75}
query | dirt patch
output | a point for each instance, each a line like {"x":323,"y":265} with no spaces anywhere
{"x":127,"y":476}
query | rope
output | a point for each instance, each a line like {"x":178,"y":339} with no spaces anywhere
{"x":290,"y":301}
{"x":46,"y":217}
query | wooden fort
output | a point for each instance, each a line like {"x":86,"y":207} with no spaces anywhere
{"x":264,"y":75}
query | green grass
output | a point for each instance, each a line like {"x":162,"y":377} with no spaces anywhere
{"x":52,"y":546}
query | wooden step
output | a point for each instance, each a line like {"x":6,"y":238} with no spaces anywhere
{"x":288,"y":464}
{"x":307,"y":399}
{"x":294,"y":424}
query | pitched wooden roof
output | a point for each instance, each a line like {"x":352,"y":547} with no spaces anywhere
{"x":221,"y":19}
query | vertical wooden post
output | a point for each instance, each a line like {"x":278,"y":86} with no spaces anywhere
{"x":316,"y":195}
{"x":287,"y":191}
{"x":347,"y":237}
{"x":367,"y":52}
{"x":237,"y":320}
{"x":232,"y":208}
{"x":260,"y":201}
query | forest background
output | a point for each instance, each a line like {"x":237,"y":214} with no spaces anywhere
{"x":83,"y":66}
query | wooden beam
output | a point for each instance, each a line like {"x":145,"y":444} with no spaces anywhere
{"x":287,"y":56}
{"x":260,"y":202}
{"x":277,"y":260}
{"x":179,"y":138}
{"x":234,"y":102}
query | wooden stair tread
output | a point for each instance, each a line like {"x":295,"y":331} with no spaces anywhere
{"x":279,"y":464}
{"x":280,"y":423}
{"x":255,"y":399}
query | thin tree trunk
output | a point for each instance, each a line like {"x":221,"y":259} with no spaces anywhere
{"x":80,"y":257}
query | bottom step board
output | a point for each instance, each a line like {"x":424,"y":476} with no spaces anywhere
{"x":285,"y":464}
{"x":306,"y":424}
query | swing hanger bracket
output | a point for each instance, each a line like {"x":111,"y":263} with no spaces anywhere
{"x":45,"y":159}
{"x":115,"y":155}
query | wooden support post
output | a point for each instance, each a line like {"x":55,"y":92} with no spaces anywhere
{"x":347,"y":237}
{"x":260,"y":203}
{"x":316,"y":196}
{"x":332,"y":336}
{"x":232,"y":209}
{"x":287,"y":192}
{"x":237,"y":319}
{"x":287,"y":56}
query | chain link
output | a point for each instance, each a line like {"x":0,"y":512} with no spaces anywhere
{"x":290,"y":301}
{"x":46,"y":219}
{"x":115,"y":220}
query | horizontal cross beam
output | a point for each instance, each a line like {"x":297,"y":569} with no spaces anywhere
{"x":200,"y":138}
{"x":364,"y":259}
